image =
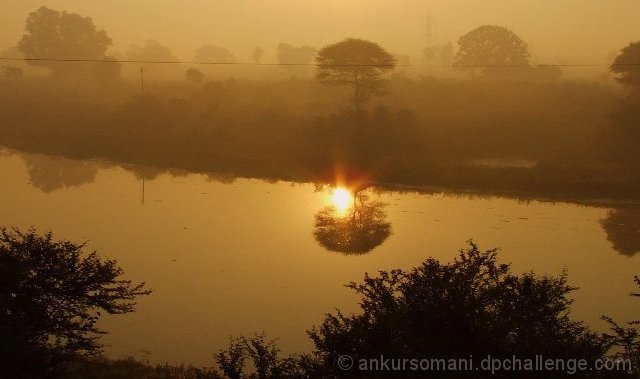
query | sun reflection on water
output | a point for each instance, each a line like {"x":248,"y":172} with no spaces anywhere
{"x":342,"y":199}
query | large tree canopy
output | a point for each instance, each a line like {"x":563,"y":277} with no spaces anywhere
{"x":355,"y":62}
{"x":51,"y":295}
{"x":494,"y":49}
{"x":627,"y":66}
{"x":61,"y":35}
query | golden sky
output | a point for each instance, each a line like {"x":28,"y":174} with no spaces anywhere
{"x":558,"y":31}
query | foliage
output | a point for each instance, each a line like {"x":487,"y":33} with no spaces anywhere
{"x":289,"y":54}
{"x":355,"y":62}
{"x":623,"y":141}
{"x":495,"y":49}
{"x":214,"y":54}
{"x":627,"y":66}
{"x":61,"y":35}
{"x":427,"y":132}
{"x":471,"y":306}
{"x":264,"y":356}
{"x":152,"y":50}
{"x":50,"y":301}
{"x":127,"y":368}
{"x":626,"y":339}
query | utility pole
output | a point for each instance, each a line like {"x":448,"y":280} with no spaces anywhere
{"x":142,"y":88}
{"x":142,"y":79}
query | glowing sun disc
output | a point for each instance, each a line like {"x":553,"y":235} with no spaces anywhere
{"x":342,"y":198}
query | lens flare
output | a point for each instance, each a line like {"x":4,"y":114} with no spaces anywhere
{"x":342,"y":199}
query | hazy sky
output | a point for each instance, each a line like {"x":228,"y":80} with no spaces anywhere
{"x":558,"y":31}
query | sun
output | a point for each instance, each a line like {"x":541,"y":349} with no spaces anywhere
{"x":342,"y":199}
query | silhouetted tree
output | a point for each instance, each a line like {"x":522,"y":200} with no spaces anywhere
{"x":623,"y":141}
{"x":258,"y":52}
{"x":50,"y":301}
{"x":471,"y":306}
{"x":626,"y":339}
{"x":289,"y":54}
{"x":231,"y":361}
{"x":623,"y":229}
{"x":626,"y":66}
{"x":355,"y":62}
{"x":495,"y":49}
{"x":194,"y":75}
{"x":359,"y":230}
{"x":214,"y":54}
{"x":265,"y":358}
{"x":61,"y":35}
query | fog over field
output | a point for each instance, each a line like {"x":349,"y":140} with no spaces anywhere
{"x":566,"y":32}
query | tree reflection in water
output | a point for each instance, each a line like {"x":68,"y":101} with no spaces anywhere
{"x":623,"y":229}
{"x":353,"y":231}
{"x":49,"y":173}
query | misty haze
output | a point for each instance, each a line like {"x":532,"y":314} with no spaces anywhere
{"x":319,"y":189}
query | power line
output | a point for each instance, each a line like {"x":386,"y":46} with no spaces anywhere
{"x":63,"y":60}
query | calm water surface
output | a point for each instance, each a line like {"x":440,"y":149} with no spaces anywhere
{"x":233,"y":257}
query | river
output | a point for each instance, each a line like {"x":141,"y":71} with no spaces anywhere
{"x":228,"y":256}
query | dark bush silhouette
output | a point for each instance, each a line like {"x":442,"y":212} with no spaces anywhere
{"x":471,"y":306}
{"x":626,"y":339}
{"x":51,"y":296}
{"x":130,"y":368}
{"x":265,"y":358}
